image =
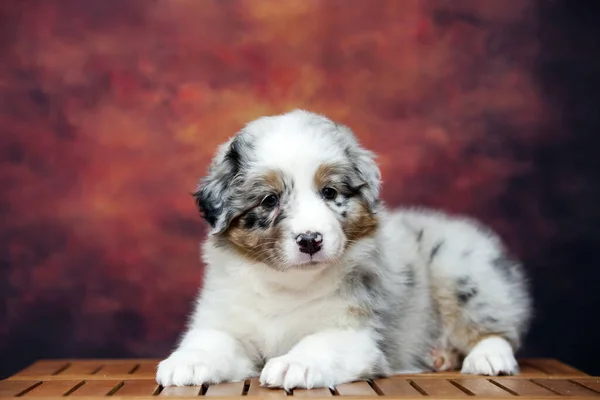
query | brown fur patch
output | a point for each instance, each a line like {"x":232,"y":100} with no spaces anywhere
{"x":257,"y":245}
{"x":360,"y":312}
{"x":273,"y":180}
{"x":361,"y":223}
{"x":254,"y":245}
{"x":459,"y":334}
{"x":324,"y":175}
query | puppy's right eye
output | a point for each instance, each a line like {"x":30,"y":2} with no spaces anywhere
{"x":270,"y":201}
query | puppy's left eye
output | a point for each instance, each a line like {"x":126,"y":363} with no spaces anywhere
{"x":329,"y":193}
{"x":270,"y":201}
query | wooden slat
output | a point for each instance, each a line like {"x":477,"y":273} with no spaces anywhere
{"x":482,"y":387}
{"x":593,"y":384}
{"x":77,"y":369}
{"x":523,"y":387}
{"x":104,"y":361}
{"x":117,"y":369}
{"x":43,"y":367}
{"x":256,"y":390}
{"x":13,"y":388}
{"x":181,"y":391}
{"x":225,"y":389}
{"x":439,"y":387}
{"x":96,"y":388}
{"x":355,"y":389}
{"x":396,"y":386}
{"x":320,"y":392}
{"x":527,"y":369}
{"x":145,"y":369}
{"x":554,"y":367}
{"x":564,"y":387}
{"x":137,"y":388}
{"x":53,"y":388}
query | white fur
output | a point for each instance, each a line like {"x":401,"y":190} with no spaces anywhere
{"x":323,"y":359}
{"x":307,"y":325}
{"x":491,"y":356}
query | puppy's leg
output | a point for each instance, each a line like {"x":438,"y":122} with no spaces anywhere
{"x":205,"y":356}
{"x":483,"y":320}
{"x":326,"y":359}
{"x":481,"y":292}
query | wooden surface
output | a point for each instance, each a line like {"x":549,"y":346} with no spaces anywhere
{"x":90,"y":379}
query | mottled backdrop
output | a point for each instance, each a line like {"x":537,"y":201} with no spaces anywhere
{"x":110,"y":110}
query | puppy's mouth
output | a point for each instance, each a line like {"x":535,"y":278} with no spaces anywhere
{"x":312,"y":262}
{"x":310,"y":265}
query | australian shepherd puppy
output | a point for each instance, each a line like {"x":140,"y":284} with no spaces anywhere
{"x":311,"y":282}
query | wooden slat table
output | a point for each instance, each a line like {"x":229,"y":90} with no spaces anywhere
{"x":92,"y":379}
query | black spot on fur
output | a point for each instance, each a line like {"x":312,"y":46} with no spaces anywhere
{"x":434,"y":251}
{"x":409,"y":275}
{"x":465,"y":290}
{"x":250,"y":220}
{"x":466,"y":294}
{"x":420,"y":235}
{"x":207,"y":206}
{"x":350,"y":191}
{"x":364,"y":280}
{"x":344,"y":214}
{"x":369,"y":281}
{"x":462,"y":281}
{"x":255,"y":219}
{"x":280,"y":217}
{"x":233,"y":156}
{"x":263,"y":223}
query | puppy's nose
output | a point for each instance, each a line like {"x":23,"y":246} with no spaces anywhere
{"x":309,"y":242}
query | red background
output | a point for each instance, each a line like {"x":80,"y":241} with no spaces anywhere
{"x":111,"y":110}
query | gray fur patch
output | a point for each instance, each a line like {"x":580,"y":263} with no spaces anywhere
{"x":507,"y":266}
{"x":434,"y":251}
{"x":465,"y":290}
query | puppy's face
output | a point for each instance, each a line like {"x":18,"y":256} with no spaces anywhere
{"x":290,"y":191}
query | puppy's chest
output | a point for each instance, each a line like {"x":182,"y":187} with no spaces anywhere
{"x":274,"y":321}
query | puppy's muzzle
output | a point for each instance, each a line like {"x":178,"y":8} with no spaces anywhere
{"x":309,"y":242}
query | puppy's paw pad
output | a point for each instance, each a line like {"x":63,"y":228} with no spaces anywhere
{"x":288,"y":372}
{"x":492,"y":356}
{"x":186,"y":368}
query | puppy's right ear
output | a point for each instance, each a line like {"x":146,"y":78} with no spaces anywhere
{"x":213,"y":193}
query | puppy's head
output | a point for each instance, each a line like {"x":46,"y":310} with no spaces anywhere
{"x":293,"y":190}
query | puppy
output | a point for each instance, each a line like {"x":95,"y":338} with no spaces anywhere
{"x":311,"y":282}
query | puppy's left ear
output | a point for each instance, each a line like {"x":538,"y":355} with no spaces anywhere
{"x":214,"y":191}
{"x":368,"y":175}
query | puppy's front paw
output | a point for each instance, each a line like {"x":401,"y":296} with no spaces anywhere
{"x":196,"y":367}
{"x":292,"y":371}
{"x":492,"y":356}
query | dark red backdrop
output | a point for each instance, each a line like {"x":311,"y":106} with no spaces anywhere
{"x":111,"y":110}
